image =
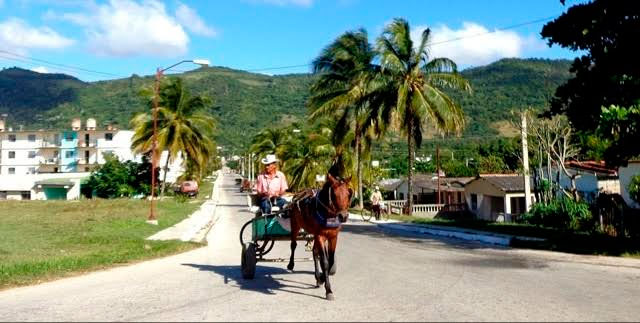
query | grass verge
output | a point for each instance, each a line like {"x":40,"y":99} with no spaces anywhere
{"x":45,"y":240}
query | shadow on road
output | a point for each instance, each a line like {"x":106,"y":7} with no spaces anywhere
{"x":264,"y":281}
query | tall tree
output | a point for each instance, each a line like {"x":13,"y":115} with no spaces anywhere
{"x":183,"y":128}
{"x":418,"y":82}
{"x":608,"y":73}
{"x":270,"y":141}
{"x":346,"y":68}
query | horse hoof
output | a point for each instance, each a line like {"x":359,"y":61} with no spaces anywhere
{"x":290,"y":267}
{"x":333,"y":270}
{"x":330,"y":297}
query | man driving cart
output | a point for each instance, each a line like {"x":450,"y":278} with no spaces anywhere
{"x":271,"y":185}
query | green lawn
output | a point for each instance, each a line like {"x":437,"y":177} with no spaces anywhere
{"x":43,"y":240}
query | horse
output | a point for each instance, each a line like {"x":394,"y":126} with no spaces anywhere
{"x":322,"y":215}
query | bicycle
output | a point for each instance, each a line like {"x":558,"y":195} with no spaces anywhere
{"x":367,"y":213}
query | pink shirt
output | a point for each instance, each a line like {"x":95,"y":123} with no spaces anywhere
{"x":274,"y":186}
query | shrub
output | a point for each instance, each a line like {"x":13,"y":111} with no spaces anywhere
{"x":634,"y":188}
{"x":561,"y":213}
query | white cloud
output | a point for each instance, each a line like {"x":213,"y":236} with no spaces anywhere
{"x":301,"y":3}
{"x":40,"y":69}
{"x":17,"y":35}
{"x":130,"y":28}
{"x":472,"y":46}
{"x":189,"y":19}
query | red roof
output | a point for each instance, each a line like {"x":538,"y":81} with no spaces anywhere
{"x":594,"y":166}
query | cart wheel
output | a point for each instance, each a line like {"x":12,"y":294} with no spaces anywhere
{"x":245,"y":233}
{"x":248,"y":261}
{"x":266,"y":246}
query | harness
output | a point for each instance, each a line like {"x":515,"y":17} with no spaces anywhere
{"x":319,"y":216}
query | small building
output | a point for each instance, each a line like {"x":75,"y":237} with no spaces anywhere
{"x":624,"y":178}
{"x":592,"y":179}
{"x":389,"y":188}
{"x":496,"y":197}
{"x":425,"y":189}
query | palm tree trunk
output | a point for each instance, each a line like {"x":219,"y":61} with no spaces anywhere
{"x":164,"y":176}
{"x":410,"y":170}
{"x":359,"y":168}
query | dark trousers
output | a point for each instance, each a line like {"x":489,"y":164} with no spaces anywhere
{"x":265,"y":204}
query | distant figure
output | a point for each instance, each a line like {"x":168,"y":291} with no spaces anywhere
{"x":376,"y":199}
{"x":271,"y":184}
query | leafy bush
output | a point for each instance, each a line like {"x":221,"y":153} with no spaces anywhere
{"x":119,"y":179}
{"x":561,"y":213}
{"x":634,"y":188}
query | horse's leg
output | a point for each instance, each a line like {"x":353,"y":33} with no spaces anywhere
{"x":324,"y":260}
{"x":333,"y":265}
{"x":295,"y":229}
{"x":316,"y":263}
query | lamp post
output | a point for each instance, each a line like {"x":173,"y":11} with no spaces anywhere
{"x":152,"y":219}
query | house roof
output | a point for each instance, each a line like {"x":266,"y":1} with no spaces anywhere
{"x":599,"y":168}
{"x":390,"y":184}
{"x":430,"y":182}
{"x":505,"y":182}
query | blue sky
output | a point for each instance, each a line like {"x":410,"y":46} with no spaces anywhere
{"x":123,"y":37}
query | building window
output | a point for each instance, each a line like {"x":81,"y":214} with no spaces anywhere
{"x":108,"y":136}
{"x":3,"y":195}
{"x":55,"y":169}
{"x":56,"y":153}
{"x":86,"y":169}
{"x":68,"y":136}
{"x":32,"y":170}
{"x":474,"y":201}
{"x":68,"y":154}
{"x":12,"y":154}
{"x":32,"y":138}
{"x":32,"y":154}
{"x":26,"y":195}
{"x":12,"y":138}
{"x":12,"y":170}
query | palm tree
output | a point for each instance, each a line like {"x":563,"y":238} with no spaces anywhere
{"x":183,"y":129}
{"x":346,"y":68}
{"x":417,"y":82}
{"x":270,"y":141}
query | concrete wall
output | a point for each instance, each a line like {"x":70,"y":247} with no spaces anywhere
{"x":588,"y":184}
{"x":625,"y":175}
{"x":15,"y":184}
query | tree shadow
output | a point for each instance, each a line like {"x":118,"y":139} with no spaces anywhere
{"x":264,"y":281}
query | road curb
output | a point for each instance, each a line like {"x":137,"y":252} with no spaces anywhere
{"x":495,"y":239}
{"x":197,"y":225}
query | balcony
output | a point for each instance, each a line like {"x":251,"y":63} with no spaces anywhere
{"x":87,"y":143}
{"x":83,"y":161}
{"x":50,"y":161}
{"x":50,"y":144}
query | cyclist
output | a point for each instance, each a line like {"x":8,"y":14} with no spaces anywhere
{"x":376,"y":200}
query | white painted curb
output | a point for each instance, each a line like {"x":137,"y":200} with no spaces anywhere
{"x":497,"y":239}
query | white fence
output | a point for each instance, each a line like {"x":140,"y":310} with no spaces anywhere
{"x":424,"y":210}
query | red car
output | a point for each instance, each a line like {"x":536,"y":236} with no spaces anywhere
{"x":189,"y":188}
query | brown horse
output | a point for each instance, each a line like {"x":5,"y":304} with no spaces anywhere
{"x":321,"y":214}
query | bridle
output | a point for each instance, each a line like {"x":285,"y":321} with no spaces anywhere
{"x":330,"y":209}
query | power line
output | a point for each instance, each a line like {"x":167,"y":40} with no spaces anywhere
{"x":76,"y":68}
{"x":531,"y":22}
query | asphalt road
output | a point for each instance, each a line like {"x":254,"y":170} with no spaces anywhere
{"x":381,"y":277}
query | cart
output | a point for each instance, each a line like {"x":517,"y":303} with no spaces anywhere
{"x":259,"y":235}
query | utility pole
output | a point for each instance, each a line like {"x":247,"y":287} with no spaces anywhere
{"x":525,"y":163}
{"x":438,"y":171}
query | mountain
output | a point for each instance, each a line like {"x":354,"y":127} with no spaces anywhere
{"x":246,"y":102}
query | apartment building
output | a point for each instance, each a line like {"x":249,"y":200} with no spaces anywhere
{"x":35,"y":163}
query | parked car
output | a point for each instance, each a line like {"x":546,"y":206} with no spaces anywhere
{"x":189,"y":188}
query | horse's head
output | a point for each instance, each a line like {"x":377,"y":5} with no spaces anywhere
{"x":340,"y":196}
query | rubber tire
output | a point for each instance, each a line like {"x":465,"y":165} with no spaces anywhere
{"x":248,"y":261}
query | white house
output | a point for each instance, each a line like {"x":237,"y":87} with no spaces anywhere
{"x":496,"y":197}
{"x":592,"y":179}
{"x":625,"y":175}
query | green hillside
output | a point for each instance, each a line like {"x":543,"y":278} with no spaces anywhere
{"x":246,"y":102}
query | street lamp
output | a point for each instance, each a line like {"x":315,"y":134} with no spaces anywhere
{"x":152,"y":219}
